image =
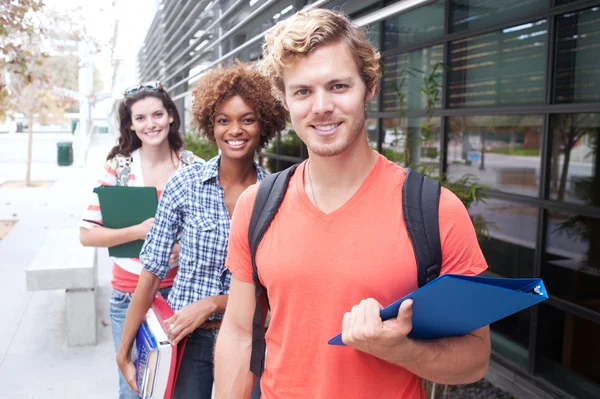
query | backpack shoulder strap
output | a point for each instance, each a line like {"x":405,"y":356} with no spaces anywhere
{"x":268,"y":199}
{"x":123,"y":169}
{"x":420,"y":205}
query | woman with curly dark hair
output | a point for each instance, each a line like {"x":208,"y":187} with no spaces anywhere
{"x":235,"y":108}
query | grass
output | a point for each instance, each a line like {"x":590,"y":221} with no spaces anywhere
{"x":526,"y":152}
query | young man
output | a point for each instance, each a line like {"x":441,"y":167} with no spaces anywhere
{"x":338,"y":247}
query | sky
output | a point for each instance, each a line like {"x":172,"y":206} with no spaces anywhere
{"x":99,"y":16}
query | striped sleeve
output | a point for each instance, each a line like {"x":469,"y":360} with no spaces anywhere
{"x":92,"y":216}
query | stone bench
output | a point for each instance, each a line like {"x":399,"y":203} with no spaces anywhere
{"x":63,"y":263}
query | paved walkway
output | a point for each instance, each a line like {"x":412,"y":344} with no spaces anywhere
{"x":34,"y":359}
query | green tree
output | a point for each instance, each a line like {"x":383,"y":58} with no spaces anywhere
{"x":33,"y":75}
{"x":18,"y":28}
{"x":200,"y":146}
{"x":35,"y":97}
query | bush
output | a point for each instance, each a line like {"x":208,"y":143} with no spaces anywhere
{"x":200,"y":146}
{"x":392,"y":155}
{"x":290,"y":145}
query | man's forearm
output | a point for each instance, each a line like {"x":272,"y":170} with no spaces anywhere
{"x":455,"y":360}
{"x":233,"y":379}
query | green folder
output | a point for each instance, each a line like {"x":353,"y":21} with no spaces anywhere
{"x":123,"y":207}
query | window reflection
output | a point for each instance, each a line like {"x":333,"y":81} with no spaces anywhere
{"x":471,"y":14}
{"x":287,"y":144}
{"x":574,"y":171}
{"x":372,"y":132}
{"x":502,"y":151}
{"x":577,"y":75}
{"x":418,"y":25}
{"x":413,"y":137}
{"x":568,"y":351}
{"x":510,"y":248}
{"x":571,"y":268}
{"x":499,"y":68}
{"x":510,"y":338}
{"x":403,"y":76}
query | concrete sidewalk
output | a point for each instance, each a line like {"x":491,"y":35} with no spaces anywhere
{"x":34,"y":359}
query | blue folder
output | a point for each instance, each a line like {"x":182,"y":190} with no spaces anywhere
{"x":454,"y":305}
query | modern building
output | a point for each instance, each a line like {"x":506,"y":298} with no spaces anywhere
{"x":513,"y":87}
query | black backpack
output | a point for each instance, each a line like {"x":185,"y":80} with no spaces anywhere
{"x":420,"y":204}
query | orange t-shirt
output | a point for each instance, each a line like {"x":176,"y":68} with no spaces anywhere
{"x":316,"y":266}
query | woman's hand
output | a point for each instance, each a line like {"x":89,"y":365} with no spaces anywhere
{"x":143,"y":228}
{"x":189,"y":318}
{"x":128,"y":370}
{"x":174,"y":258}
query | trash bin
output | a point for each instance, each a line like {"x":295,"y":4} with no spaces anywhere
{"x":64,"y":153}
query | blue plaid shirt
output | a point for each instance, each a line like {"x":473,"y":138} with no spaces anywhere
{"x":193,"y":203}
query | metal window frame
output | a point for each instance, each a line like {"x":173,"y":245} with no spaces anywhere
{"x":542,"y":201}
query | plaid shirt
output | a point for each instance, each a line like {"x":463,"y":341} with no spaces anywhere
{"x":193,"y":203}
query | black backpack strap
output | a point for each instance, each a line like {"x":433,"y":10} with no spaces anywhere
{"x":268,"y":199}
{"x":420,"y":205}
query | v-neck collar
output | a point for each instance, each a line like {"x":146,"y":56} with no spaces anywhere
{"x":331,"y":216}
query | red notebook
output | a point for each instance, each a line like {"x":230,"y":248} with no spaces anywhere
{"x":163,"y":311}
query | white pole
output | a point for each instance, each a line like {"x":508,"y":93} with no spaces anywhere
{"x":86,"y":91}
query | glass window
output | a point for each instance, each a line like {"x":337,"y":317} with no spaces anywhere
{"x":288,"y":145}
{"x":421,"y":139}
{"x":373,"y":105}
{"x":510,"y":337}
{"x":372,"y":132}
{"x":575,"y":173}
{"x":510,"y":247}
{"x":568,"y":351}
{"x":372,"y":31}
{"x":502,"y":151}
{"x":403,"y":76}
{"x":509,"y":251}
{"x":472,"y":14}
{"x":505,"y":67}
{"x":561,"y":2}
{"x":571,"y":268}
{"x":577,"y":70}
{"x":418,"y":25}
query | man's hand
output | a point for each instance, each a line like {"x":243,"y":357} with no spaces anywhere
{"x":128,"y":370}
{"x":363,"y":329}
{"x":188,"y":318}
{"x":174,"y":258}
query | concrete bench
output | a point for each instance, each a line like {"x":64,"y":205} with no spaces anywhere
{"x":63,"y":263}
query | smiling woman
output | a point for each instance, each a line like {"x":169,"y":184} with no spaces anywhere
{"x":149,"y":150}
{"x":251,"y":86}
{"x":234,"y":108}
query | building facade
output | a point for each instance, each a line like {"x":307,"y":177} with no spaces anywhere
{"x":506,"y":91}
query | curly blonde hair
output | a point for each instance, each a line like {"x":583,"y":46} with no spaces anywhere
{"x":300,"y":34}
{"x":220,"y":84}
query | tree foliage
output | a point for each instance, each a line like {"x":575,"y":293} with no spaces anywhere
{"x":18,"y":29}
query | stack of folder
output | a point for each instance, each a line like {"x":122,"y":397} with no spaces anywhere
{"x":155,"y":359}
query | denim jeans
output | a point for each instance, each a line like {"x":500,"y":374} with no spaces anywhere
{"x":195,"y":378}
{"x":119,"y":303}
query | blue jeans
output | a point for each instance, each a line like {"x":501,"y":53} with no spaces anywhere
{"x":195,"y":378}
{"x":119,"y":303}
